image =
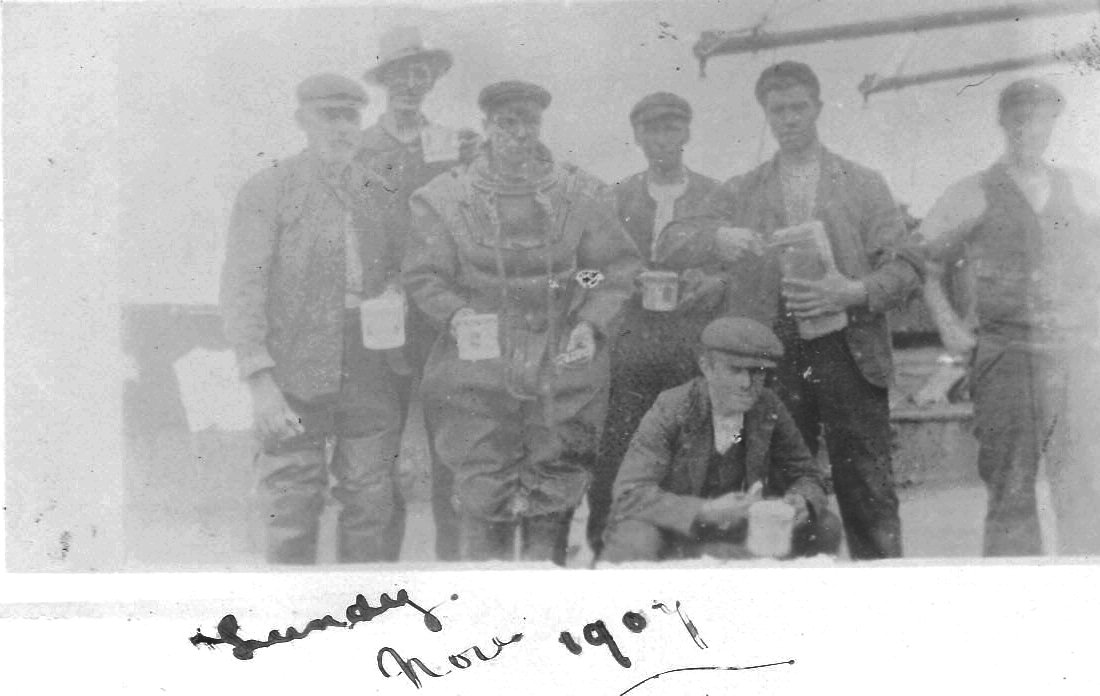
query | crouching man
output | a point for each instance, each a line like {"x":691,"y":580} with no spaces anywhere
{"x":710,"y":448}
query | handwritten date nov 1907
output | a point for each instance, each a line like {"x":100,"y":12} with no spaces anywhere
{"x":595,"y":634}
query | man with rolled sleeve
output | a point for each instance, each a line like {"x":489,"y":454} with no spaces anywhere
{"x":708,"y":450}
{"x":301,"y":255}
{"x":1029,"y":236}
{"x":837,"y":382}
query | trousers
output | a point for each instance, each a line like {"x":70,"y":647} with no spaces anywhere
{"x":361,"y":428}
{"x":824,"y":390}
{"x":638,"y":540}
{"x":1029,"y":405}
{"x":541,"y":538}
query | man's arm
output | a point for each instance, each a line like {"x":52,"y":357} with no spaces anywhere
{"x":637,"y":491}
{"x":895,"y":267}
{"x":606,"y":246}
{"x":793,"y":462}
{"x":941,"y":236}
{"x":430,"y":266}
{"x":709,"y":237}
{"x":250,"y":248}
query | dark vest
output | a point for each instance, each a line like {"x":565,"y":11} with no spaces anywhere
{"x":1027,"y":265}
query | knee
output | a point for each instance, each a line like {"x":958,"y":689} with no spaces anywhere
{"x":631,"y":540}
{"x":820,"y":537}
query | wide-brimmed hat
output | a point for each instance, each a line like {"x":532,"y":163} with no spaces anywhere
{"x":404,"y":44}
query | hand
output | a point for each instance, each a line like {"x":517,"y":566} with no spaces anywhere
{"x":801,"y":509}
{"x":581,"y":346}
{"x":730,"y":509}
{"x":458,"y":316}
{"x":957,"y":338}
{"x":832,"y":294}
{"x":468,"y":143}
{"x":732,"y":242}
{"x":274,"y":419}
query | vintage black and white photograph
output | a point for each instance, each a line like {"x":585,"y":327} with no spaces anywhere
{"x":794,"y":283}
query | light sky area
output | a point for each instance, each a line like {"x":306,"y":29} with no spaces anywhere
{"x":206,"y":98}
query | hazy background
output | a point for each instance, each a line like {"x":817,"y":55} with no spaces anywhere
{"x":127,"y":130}
{"x":206,"y":98}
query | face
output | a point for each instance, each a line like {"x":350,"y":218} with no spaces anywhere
{"x":733,"y":389}
{"x":407,"y":83}
{"x":1028,"y":128}
{"x":332,"y":132}
{"x":513,"y":129}
{"x":663,"y":140}
{"x":792,"y":116}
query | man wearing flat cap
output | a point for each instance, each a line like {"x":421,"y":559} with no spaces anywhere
{"x":301,"y":256}
{"x":529,"y":249}
{"x":406,"y":151}
{"x":837,"y":366}
{"x":654,"y":348}
{"x":1028,"y":235}
{"x":710,"y":448}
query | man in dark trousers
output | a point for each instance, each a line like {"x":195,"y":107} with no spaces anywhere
{"x":708,"y":450}
{"x":835,"y":382}
{"x":406,"y":150}
{"x":300,"y":258}
{"x":1030,"y":235}
{"x":652,"y":350}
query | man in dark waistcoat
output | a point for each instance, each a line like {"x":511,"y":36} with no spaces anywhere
{"x":406,"y":150}
{"x":1029,"y":235}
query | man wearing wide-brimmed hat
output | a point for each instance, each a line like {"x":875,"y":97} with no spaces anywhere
{"x":300,"y":257}
{"x":708,"y":450}
{"x":407,"y":151}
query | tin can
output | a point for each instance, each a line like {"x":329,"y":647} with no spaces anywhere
{"x":660,"y":290}
{"x":478,"y":337}
{"x":382,"y":320}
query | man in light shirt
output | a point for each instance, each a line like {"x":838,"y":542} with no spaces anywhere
{"x":1028,"y":235}
{"x":834,"y":384}
{"x":653,"y":350}
{"x":708,"y":450}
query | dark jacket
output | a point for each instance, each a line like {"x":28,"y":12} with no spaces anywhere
{"x":283,"y":282}
{"x":865,"y":229}
{"x":665,"y":467}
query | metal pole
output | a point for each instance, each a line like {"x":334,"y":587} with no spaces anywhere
{"x":872,"y":84}
{"x":713,"y":43}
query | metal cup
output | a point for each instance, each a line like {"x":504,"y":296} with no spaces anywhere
{"x":771,"y":525}
{"x":477,"y":337}
{"x":660,"y":290}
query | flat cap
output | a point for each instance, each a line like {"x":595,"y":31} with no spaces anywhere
{"x":512,"y":90}
{"x":658,"y":105}
{"x":754,"y":343}
{"x":331,"y":89}
{"x":1029,"y":91}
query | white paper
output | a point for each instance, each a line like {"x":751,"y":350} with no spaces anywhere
{"x":212,"y":392}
